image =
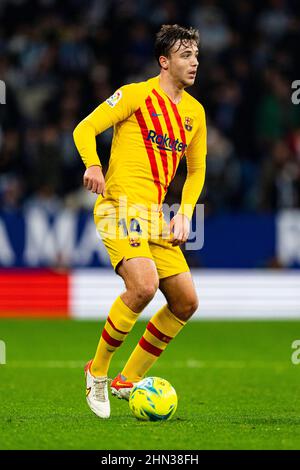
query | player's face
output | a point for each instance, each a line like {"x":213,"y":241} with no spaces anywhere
{"x":183,"y":63}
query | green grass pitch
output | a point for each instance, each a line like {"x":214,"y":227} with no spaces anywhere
{"x":236,"y":384}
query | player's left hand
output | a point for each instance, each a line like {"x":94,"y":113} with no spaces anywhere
{"x":179,"y":229}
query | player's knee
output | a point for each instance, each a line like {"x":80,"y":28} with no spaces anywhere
{"x":186,"y":309}
{"x":193,"y":306}
{"x":146,"y":292}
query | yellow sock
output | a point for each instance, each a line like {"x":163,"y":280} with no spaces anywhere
{"x":118,"y":324}
{"x":162,"y":327}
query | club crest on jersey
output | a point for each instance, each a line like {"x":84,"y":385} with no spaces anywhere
{"x":188,"y":123}
{"x":113,"y":99}
{"x":134,"y":241}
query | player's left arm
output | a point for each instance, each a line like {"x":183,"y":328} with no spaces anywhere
{"x":196,"y":165}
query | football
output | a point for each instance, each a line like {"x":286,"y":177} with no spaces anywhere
{"x":153,"y":399}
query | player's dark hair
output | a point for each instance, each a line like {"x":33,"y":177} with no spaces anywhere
{"x":169,"y":34}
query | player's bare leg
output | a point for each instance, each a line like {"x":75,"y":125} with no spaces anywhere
{"x":141,"y":281}
{"x":181,"y":296}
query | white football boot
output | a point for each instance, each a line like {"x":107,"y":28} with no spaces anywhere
{"x":97,"y":393}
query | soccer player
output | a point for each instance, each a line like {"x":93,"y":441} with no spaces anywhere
{"x":156,"y":123}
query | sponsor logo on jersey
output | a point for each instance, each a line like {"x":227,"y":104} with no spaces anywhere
{"x":188,"y":123}
{"x":114,"y":99}
{"x":164,"y":142}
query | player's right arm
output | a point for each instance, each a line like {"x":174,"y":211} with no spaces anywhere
{"x":122,"y":104}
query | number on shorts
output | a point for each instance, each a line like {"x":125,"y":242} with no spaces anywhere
{"x":134,"y":226}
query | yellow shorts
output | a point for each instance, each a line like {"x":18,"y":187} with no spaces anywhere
{"x":129,"y":235}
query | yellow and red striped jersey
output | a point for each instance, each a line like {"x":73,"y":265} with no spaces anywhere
{"x":151,"y":135}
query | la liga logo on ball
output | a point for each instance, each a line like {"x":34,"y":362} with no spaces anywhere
{"x":153,"y":399}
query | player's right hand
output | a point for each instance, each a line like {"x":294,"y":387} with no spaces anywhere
{"x":93,"y":180}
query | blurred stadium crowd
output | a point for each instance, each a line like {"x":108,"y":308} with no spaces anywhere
{"x":59,"y":60}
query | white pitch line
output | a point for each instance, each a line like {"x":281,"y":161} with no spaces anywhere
{"x":46,"y":364}
{"x":188,"y":364}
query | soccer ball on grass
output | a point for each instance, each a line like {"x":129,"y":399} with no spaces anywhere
{"x":153,"y":399}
